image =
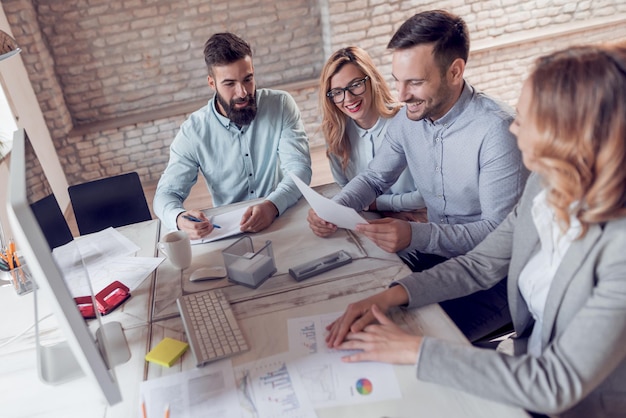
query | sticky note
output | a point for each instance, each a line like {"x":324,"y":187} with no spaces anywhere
{"x":167,"y":352}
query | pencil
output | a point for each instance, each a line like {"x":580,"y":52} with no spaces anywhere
{"x":167,"y":411}
{"x":143,"y":408}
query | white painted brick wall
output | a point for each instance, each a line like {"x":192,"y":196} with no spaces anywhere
{"x":105,"y":59}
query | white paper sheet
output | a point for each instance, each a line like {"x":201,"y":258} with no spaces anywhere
{"x":268,"y":388}
{"x":328,"y":380}
{"x":333,"y":212}
{"x":108,"y":257}
{"x":229,"y":223}
{"x":208,"y":391}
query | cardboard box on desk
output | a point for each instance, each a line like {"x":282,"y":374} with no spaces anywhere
{"x":247,"y":267}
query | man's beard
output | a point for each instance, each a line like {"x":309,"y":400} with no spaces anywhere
{"x":239,"y":117}
{"x":434,"y":108}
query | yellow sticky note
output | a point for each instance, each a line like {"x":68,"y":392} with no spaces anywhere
{"x":167,"y":352}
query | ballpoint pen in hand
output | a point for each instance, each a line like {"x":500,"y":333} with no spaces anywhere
{"x":194,"y":219}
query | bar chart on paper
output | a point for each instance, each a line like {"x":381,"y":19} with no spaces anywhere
{"x":268,"y":389}
{"x":329,"y":381}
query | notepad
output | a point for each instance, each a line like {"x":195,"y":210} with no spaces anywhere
{"x":167,"y":352}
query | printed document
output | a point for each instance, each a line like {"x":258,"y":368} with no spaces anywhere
{"x":333,"y":212}
{"x":207,"y":391}
{"x":229,"y":223}
{"x":269,"y":388}
{"x":329,"y":381}
{"x":108,"y":256}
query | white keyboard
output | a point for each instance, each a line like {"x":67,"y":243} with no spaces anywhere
{"x":212,"y":330}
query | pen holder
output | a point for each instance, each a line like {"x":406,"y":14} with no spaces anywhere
{"x":247,"y":267}
{"x":19,"y":278}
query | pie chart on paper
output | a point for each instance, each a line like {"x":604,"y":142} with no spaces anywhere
{"x":364,"y":386}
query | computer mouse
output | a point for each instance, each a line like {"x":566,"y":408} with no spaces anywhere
{"x":208,"y":273}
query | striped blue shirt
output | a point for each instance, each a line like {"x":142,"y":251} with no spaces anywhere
{"x":364,"y":143}
{"x":466,"y":165}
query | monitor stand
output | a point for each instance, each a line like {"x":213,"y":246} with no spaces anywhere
{"x":112,"y":342}
{"x":56,"y":362}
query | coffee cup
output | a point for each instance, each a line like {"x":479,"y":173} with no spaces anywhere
{"x":177,"y":247}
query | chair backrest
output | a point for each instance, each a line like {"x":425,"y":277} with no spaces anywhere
{"x":51,"y":221}
{"x":111,"y":201}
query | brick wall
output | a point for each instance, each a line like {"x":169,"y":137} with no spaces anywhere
{"x":115,"y":79}
{"x":126,"y":57}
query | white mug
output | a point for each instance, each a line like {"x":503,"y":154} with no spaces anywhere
{"x":177,"y":247}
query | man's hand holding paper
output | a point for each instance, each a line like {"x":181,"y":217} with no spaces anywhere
{"x":331,"y":212}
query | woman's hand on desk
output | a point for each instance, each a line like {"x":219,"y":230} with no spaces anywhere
{"x":320,"y":227}
{"x":384,"y":342}
{"x":359,"y":314}
{"x":194,"y":223}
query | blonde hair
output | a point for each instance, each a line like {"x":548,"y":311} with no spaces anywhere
{"x":579,"y":109}
{"x":333,"y":120}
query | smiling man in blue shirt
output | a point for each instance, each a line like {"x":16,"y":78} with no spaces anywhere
{"x":243,"y":142}
{"x":455,"y":143}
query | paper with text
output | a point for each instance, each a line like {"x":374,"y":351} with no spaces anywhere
{"x":208,"y":391}
{"x":229,"y":222}
{"x":108,"y":256}
{"x":328,"y":380}
{"x":333,"y":212}
{"x":268,"y":388}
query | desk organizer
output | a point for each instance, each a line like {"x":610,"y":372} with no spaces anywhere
{"x":20,"y":278}
{"x":247,"y":267}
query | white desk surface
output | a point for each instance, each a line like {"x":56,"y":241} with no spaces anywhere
{"x":24,"y":395}
{"x":262,"y":314}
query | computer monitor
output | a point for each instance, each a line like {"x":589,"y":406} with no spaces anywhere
{"x":82,"y":352}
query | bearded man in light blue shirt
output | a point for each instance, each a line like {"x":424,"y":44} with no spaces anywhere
{"x":243,"y":142}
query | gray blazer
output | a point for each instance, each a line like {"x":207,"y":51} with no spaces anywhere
{"x":582,"y":370}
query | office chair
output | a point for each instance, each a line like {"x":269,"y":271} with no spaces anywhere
{"x":51,"y":221}
{"x":109,"y":202}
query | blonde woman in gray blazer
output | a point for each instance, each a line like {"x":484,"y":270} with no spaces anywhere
{"x":563,"y":248}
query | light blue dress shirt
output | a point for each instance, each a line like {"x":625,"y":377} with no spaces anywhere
{"x":466,"y":165}
{"x":238,"y":164}
{"x":403,"y":196}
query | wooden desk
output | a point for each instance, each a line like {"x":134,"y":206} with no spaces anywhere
{"x":293,"y":243}
{"x":263,"y":312}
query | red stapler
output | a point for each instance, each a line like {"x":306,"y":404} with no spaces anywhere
{"x":107,"y":300}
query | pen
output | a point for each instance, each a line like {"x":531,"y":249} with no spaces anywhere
{"x":143,"y":408}
{"x":194,"y":219}
{"x":1,"y":236}
{"x":4,"y":257}
{"x":323,"y":263}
